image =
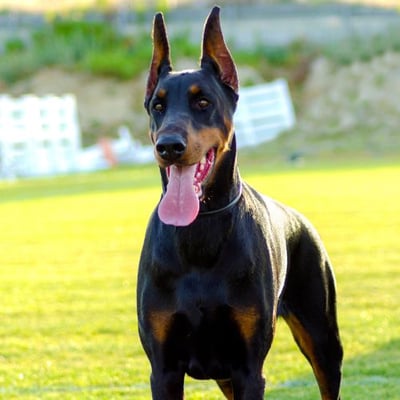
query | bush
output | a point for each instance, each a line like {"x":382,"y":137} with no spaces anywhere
{"x":14,"y":45}
{"x":15,"y":66}
{"x":359,"y":48}
{"x":110,"y":63}
{"x":91,"y":46}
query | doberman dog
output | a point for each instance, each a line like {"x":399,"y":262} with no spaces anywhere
{"x":220,"y":261}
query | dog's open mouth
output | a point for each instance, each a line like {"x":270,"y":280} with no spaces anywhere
{"x":180,"y":204}
{"x":203,"y":169}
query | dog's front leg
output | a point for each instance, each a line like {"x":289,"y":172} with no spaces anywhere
{"x":167,"y":385}
{"x":248,"y":386}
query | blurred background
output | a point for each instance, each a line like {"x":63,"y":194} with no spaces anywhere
{"x":72,"y":77}
{"x":341,"y":61}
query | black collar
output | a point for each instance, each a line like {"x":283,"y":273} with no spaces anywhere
{"x":228,"y":206}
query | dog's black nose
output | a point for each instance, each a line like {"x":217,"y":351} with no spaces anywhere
{"x":170,"y":147}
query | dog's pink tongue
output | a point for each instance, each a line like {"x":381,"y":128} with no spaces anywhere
{"x":180,"y":204}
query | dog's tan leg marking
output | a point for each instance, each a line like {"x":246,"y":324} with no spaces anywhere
{"x":246,"y":319}
{"x":160,"y":322}
{"x":226,"y":387}
{"x":305,"y":342}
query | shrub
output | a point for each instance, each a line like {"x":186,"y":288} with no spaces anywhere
{"x":14,"y":45}
{"x":92,"y":46}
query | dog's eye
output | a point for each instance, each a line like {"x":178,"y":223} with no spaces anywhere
{"x":159,"y":107}
{"x":203,"y":103}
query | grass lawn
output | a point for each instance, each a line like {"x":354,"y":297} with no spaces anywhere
{"x":69,"y":248}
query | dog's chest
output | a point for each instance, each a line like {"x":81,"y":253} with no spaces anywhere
{"x":224,"y":253}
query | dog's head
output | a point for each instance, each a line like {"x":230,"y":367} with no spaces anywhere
{"x":190,"y":118}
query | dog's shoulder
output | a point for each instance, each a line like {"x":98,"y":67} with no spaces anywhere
{"x":281,"y":217}
{"x":265,"y":207}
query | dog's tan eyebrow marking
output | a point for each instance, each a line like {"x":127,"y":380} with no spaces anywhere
{"x":194,"y":89}
{"x":161,"y":93}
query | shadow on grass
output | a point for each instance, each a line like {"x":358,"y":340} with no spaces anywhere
{"x":121,"y":178}
{"x":375,"y":375}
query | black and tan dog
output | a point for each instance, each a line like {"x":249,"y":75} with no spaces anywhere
{"x":220,"y":261}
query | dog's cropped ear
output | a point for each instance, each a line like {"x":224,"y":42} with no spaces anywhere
{"x":216,"y":53}
{"x":160,"y":62}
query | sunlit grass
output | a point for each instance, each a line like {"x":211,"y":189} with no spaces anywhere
{"x":69,"y":248}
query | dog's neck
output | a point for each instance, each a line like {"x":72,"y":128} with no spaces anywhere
{"x":225,"y":189}
{"x":232,"y":203}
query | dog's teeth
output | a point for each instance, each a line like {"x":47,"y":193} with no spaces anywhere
{"x":203,"y":160}
{"x":201,"y":167}
{"x":198,"y":175}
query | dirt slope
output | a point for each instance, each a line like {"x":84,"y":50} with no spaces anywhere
{"x":355,"y":107}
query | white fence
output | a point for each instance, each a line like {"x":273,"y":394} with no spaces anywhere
{"x":263,"y":112}
{"x":38,"y":135}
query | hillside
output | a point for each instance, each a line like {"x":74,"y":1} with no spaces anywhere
{"x":351,"y":108}
{"x":347,"y":108}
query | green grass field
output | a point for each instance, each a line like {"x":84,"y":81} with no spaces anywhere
{"x":69,"y":248}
